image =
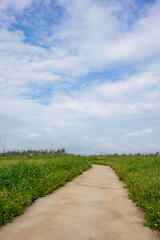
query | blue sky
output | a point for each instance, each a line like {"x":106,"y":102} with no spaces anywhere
{"x":80,"y":75}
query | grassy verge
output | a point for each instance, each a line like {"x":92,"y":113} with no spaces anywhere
{"x":25,"y":177}
{"x":141,"y":175}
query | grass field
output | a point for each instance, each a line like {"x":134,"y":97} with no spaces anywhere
{"x":141,"y":175}
{"x":26,"y":176}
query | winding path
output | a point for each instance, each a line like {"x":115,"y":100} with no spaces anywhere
{"x":94,"y":206}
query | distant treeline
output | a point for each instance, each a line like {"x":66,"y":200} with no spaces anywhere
{"x":58,"y":152}
{"x":62,"y":151}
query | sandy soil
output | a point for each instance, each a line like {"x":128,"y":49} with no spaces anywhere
{"x":94,"y":206}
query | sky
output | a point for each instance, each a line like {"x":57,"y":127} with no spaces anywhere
{"x":80,"y":75}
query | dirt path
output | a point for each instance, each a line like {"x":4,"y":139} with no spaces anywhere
{"x":94,"y":206}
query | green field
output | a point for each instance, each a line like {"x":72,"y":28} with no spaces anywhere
{"x":27,"y":176}
{"x":141,"y":175}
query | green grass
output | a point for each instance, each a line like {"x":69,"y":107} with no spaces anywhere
{"x":141,"y":175}
{"x":25,"y":177}
{"x":29,"y":175}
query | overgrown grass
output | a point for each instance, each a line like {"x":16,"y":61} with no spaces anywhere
{"x":141,"y":175}
{"x":25,"y":177}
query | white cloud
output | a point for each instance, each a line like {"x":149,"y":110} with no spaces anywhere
{"x":106,"y":116}
{"x":141,"y":132}
{"x":17,"y":5}
{"x":10,"y":7}
{"x":33,"y":135}
{"x":92,"y":37}
{"x":88,"y":121}
{"x":96,"y":33}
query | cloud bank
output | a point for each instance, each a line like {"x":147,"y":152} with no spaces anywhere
{"x":80,"y":76}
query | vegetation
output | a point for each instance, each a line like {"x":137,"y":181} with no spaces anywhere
{"x":141,"y":175}
{"x":25,"y":176}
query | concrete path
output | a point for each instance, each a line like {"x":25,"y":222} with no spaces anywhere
{"x":94,"y":206}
